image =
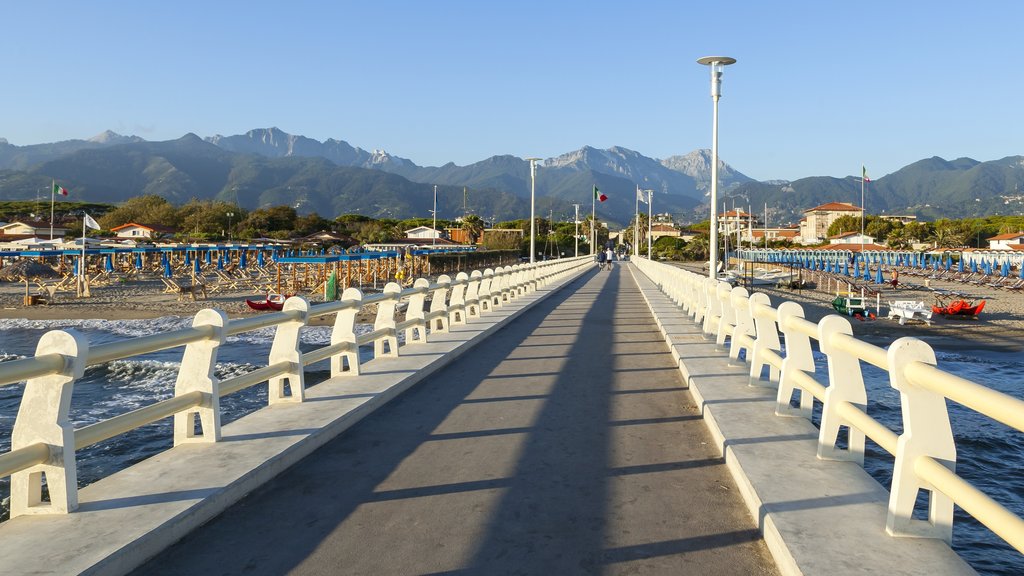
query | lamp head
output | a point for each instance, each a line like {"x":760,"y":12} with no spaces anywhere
{"x":716,"y":63}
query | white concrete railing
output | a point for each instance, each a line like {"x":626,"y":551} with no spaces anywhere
{"x":44,"y":441}
{"x":925,"y":453}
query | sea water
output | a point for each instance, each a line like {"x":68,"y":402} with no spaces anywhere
{"x":989,"y":455}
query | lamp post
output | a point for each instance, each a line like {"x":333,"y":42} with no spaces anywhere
{"x":533,"y":219}
{"x":576,"y":236}
{"x":433,"y":234}
{"x":230,"y":216}
{"x":716,"y":64}
{"x":650,"y":219}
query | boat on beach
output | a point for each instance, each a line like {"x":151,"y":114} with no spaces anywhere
{"x":854,"y":306}
{"x":960,"y":308}
{"x":271,"y":302}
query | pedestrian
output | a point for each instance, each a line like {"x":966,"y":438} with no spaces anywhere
{"x":601,"y":258}
{"x":609,"y":256}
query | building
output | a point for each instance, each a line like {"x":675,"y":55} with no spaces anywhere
{"x":662,"y":230}
{"x":756,"y":235}
{"x":423,"y":232}
{"x":729,"y":222}
{"x":31,"y":228}
{"x":851,"y":238}
{"x":134,"y":231}
{"x":1005,"y":241}
{"x":815,"y":223}
{"x":406,"y":244}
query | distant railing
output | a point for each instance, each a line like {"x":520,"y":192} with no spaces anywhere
{"x":44,"y":441}
{"x":925,"y":453}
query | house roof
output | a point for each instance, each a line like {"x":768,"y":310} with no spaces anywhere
{"x":1008,"y":236}
{"x":854,"y":247}
{"x":151,"y":228}
{"x":835,"y":207}
{"x":663,"y":228}
{"x":735,"y":214}
{"x":421,"y":228}
{"x":38,"y":224}
{"x":849,"y":234}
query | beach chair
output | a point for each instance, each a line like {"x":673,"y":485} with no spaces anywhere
{"x":170,"y":286}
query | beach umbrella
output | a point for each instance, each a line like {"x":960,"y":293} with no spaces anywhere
{"x":167,"y":268}
{"x":188,"y":258}
{"x":974,"y":266}
{"x":960,"y":264}
{"x":209,"y":258}
{"x":74,"y":269}
{"x":241,"y":259}
{"x":867,"y":271}
{"x":879,"y":279}
{"x":1021,"y":273}
{"x":1006,"y":269}
{"x":846,"y":267}
{"x":260,"y":260}
{"x":138,"y":261}
{"x":108,"y":263}
{"x":220,"y":262}
{"x":195,"y":266}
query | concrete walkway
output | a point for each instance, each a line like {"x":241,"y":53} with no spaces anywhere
{"x":564,"y":444}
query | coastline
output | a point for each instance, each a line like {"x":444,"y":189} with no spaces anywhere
{"x":1000,"y":328}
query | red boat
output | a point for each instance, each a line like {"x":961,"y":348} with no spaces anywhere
{"x":959,"y":308}
{"x":272,"y":302}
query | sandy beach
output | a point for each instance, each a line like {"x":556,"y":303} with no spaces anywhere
{"x":999,"y":328}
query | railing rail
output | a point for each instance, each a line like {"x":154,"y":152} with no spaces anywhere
{"x":43,"y":440}
{"x":925,"y":452}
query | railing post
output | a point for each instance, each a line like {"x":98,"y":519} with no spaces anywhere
{"x":197,"y":375}
{"x":744,"y":327}
{"x":457,"y":301}
{"x":845,"y":384}
{"x":43,"y":418}
{"x":767,"y":339}
{"x":484,"y":294}
{"x":286,"y":349}
{"x":415,"y":311}
{"x":386,"y":319}
{"x":799,"y":358}
{"x":473,"y":294}
{"x":345,"y":331}
{"x":727,"y":318}
{"x":926,"y":433}
{"x":439,"y":306}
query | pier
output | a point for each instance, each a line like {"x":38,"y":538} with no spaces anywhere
{"x":548,"y":419}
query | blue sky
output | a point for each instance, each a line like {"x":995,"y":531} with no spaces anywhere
{"x":819,"y":88}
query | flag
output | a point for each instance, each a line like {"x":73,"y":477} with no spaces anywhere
{"x":598,"y":195}
{"x":59,"y":190}
{"x":640,"y":196}
{"x":88,"y":222}
{"x":864,"y":174}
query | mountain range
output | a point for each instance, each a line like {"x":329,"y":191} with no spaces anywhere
{"x":266,"y":167}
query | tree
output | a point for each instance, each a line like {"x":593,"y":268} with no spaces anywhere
{"x":950,"y":233}
{"x":844,"y":224}
{"x":150,"y":210}
{"x":474,"y":227}
{"x":698,"y":248}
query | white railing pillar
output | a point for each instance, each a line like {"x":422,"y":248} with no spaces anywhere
{"x":439,"y":306}
{"x":416,"y":311}
{"x":43,"y":418}
{"x":727,"y":317}
{"x":743,"y":331}
{"x":484,"y":294}
{"x":386,"y":320}
{"x":286,"y":349}
{"x":197,"y":375}
{"x":767,"y":339}
{"x":799,"y":358}
{"x":473,"y":294}
{"x":845,"y":384}
{"x":457,"y":301}
{"x":345,"y":331}
{"x":926,"y":433}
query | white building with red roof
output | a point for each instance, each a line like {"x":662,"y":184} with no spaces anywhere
{"x":815,"y":223}
{"x":1006,"y":241}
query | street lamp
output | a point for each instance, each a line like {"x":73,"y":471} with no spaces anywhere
{"x":230,"y":216}
{"x":716,"y":64}
{"x":533,"y":221}
{"x":433,"y":242}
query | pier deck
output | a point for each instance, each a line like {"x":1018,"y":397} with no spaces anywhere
{"x":567,"y":443}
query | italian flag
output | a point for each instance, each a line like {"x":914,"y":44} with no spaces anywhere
{"x":864,"y":174}
{"x":598,"y":195}
{"x":59,"y":190}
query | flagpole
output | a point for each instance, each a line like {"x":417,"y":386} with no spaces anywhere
{"x":53,"y":199}
{"x":650,"y":217}
{"x":636,"y":224}
{"x":81,"y":266}
{"x":593,"y":221}
{"x":863,"y":210}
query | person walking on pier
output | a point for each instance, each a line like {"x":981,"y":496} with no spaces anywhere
{"x":609,"y":256}
{"x":601,"y":258}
